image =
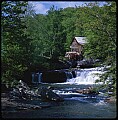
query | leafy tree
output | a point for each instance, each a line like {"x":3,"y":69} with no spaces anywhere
{"x":100,"y":29}
{"x":16,"y":51}
{"x":36,"y":29}
{"x":69,"y":21}
{"x":57,"y":36}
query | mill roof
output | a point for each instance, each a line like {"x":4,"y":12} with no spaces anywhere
{"x":81,"y":40}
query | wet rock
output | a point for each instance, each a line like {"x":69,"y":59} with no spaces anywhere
{"x":86,"y":63}
{"x":110,"y":100}
{"x":22,"y":91}
{"x":23,"y":98}
{"x":54,"y":77}
{"x":13,"y":105}
{"x":73,"y":63}
{"x":89,"y":90}
{"x":49,"y":95}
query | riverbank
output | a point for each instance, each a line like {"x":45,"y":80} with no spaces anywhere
{"x":74,"y":106}
{"x":10,"y":104}
{"x":7,"y":104}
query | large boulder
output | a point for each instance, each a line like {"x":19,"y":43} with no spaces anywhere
{"x":86,"y":63}
{"x":22,"y":91}
{"x":54,"y":77}
{"x":73,"y":63}
{"x":47,"y":94}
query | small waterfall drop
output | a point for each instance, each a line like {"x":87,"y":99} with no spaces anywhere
{"x":40,"y":77}
{"x":69,"y":75}
{"x":36,"y":77}
{"x":87,"y":76}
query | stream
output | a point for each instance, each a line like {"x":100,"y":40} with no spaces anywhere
{"x":74,"y":105}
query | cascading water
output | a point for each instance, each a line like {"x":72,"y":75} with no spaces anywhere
{"x":69,"y":75}
{"x":36,"y":78}
{"x":83,"y":76}
{"x":87,"y":76}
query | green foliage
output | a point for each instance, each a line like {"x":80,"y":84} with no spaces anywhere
{"x":57,"y":36}
{"x":15,"y":49}
{"x":47,"y":34}
{"x":69,"y":20}
{"x":100,"y":29}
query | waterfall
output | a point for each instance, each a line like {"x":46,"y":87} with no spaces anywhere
{"x":83,"y":76}
{"x":40,"y":77}
{"x":69,"y":75}
{"x":36,"y":77}
{"x":87,"y":76}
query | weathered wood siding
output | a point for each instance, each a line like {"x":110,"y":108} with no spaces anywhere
{"x":76,"y":47}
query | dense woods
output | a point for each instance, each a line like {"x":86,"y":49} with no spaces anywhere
{"x":30,"y":39}
{"x":15,"y":43}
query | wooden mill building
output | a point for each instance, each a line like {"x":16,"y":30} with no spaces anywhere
{"x":76,"y":48}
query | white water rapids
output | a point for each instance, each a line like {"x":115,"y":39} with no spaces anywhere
{"x":87,"y":76}
{"x":83,"y":76}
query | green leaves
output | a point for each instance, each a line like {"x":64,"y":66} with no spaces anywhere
{"x":15,"y":42}
{"x":101,"y":33}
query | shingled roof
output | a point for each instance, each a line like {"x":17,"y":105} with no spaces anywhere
{"x":81,"y":40}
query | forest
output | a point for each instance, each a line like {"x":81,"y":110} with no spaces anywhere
{"x":29,"y":39}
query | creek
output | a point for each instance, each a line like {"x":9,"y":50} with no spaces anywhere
{"x":75,"y":105}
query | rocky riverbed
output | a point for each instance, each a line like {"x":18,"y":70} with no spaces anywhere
{"x":55,"y":101}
